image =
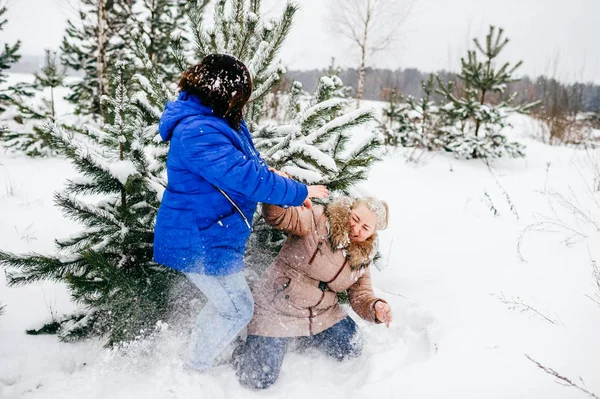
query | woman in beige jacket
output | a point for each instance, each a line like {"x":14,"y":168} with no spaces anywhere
{"x":329,"y":250}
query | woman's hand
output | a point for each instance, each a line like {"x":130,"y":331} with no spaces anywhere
{"x":315,"y":192}
{"x":383,"y":313}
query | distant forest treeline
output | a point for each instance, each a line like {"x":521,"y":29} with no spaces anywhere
{"x":380,"y":83}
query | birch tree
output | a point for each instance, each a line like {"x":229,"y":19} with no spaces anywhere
{"x":370,"y":26}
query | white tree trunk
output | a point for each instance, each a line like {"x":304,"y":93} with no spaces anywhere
{"x":101,"y":61}
{"x":361,"y":78}
{"x":363,"y":54}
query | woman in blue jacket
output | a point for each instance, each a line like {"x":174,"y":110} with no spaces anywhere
{"x":216,"y":178}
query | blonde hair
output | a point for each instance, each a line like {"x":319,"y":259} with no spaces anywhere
{"x":380,"y":208}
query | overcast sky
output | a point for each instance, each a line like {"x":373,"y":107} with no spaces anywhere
{"x":551,"y":36}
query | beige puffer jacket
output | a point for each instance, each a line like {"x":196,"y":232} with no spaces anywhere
{"x":296,"y":295}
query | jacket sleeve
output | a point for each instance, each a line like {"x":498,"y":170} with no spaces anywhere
{"x":298,"y":221}
{"x":210,"y":154}
{"x":362,"y":298}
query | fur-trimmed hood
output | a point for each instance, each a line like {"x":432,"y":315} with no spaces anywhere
{"x":359,"y":254}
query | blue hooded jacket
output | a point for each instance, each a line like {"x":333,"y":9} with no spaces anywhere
{"x":197,"y":228}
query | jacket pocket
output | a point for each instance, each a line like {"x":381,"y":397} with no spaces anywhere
{"x":285,"y":297}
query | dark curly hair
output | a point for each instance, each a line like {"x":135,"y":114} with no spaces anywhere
{"x":223,"y":83}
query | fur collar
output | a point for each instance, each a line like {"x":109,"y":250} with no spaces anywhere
{"x":359,"y":254}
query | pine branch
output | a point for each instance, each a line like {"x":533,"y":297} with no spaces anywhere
{"x":35,"y":267}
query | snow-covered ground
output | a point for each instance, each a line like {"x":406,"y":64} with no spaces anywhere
{"x":467,"y":307}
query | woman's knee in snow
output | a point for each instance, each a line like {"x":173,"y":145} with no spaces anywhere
{"x":254,"y":372}
{"x":257,"y":379}
{"x":347,"y":350}
{"x":258,"y":362}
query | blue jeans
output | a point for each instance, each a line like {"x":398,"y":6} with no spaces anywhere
{"x":257,"y":363}
{"x":228,"y":310}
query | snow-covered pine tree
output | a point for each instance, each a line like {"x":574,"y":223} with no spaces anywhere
{"x":336,"y":70}
{"x":52,"y":76}
{"x":163,"y":24}
{"x":24,"y":131}
{"x":311,"y":144}
{"x":8,"y":56}
{"x":419,"y":121}
{"x":239,"y":30}
{"x":107,"y":266}
{"x":391,"y":117}
{"x":476,"y":121}
{"x":98,"y":36}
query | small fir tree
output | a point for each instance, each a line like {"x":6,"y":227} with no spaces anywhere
{"x":419,"y":120}
{"x":8,"y":56}
{"x":163,"y":24}
{"x":107,"y":266}
{"x":391,"y":117}
{"x":475,"y":121}
{"x":98,"y":36}
{"x":240,"y":31}
{"x":470,"y":122}
{"x":336,"y":70}
{"x":24,"y":132}
{"x":52,"y":76}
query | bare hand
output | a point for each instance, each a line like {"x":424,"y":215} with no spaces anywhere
{"x":307,"y":203}
{"x":317,"y":192}
{"x":383,"y":313}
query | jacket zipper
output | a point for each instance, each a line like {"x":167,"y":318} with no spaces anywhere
{"x":312,"y":308}
{"x":237,"y":208}
{"x":312,"y":314}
